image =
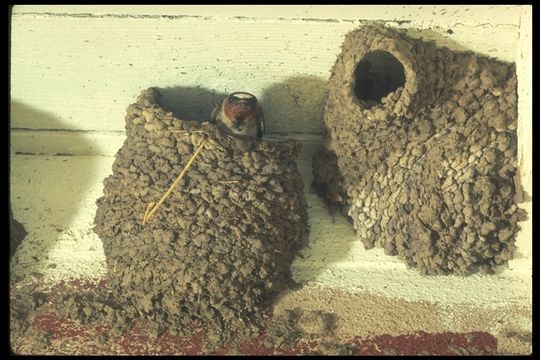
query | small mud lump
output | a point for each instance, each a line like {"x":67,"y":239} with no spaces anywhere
{"x":221,"y":245}
{"x":420,"y":151}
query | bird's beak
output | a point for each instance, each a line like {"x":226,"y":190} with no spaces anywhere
{"x":238,"y":122}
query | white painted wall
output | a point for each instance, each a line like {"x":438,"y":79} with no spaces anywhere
{"x":75,"y":69}
{"x":82,"y":65}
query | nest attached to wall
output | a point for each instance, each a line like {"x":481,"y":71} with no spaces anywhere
{"x":17,"y":233}
{"x":220,"y":247}
{"x":420,"y":151}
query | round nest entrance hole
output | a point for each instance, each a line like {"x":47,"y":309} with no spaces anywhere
{"x":378,"y":74}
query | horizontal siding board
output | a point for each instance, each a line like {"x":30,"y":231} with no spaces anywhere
{"x":84,"y":71}
{"x":107,"y":143}
{"x":496,"y":14}
{"x":88,"y":75}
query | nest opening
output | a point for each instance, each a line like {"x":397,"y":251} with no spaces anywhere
{"x":378,"y":74}
{"x":428,"y":174}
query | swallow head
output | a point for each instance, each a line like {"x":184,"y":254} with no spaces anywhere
{"x":241,"y":110}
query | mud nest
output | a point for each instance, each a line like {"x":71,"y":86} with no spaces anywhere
{"x":420,"y":151}
{"x":16,"y":233}
{"x":220,"y":247}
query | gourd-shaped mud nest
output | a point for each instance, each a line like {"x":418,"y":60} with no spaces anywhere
{"x":420,"y":151}
{"x":220,"y":247}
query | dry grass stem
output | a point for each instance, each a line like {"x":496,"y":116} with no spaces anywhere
{"x":175,"y":183}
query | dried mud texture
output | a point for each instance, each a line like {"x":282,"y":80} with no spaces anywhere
{"x":427,"y":172}
{"x":83,"y":317}
{"x":24,"y":305}
{"x":32,"y":304}
{"x":16,"y":233}
{"x":220,"y":247}
{"x":296,"y":327}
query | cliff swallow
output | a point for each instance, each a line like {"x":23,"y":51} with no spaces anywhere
{"x":240,"y":114}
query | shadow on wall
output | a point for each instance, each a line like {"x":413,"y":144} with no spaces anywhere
{"x":190,"y":103}
{"x":21,"y":115}
{"x":46,"y":192}
{"x":290,"y":107}
{"x":295,"y":105}
{"x":437,"y":37}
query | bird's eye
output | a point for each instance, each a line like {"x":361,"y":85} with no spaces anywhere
{"x":232,"y":98}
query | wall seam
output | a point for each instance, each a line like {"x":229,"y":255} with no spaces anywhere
{"x":239,"y":18}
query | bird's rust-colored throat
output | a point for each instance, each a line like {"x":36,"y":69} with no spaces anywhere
{"x":235,"y":111}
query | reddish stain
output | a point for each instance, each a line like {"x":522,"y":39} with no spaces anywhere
{"x":255,"y":346}
{"x":59,"y":328}
{"x":137,"y":341}
{"x":80,"y":285}
{"x":477,"y":343}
